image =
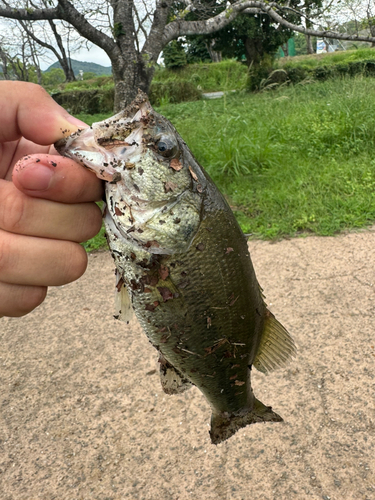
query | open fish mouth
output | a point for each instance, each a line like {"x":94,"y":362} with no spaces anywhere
{"x":109,"y":147}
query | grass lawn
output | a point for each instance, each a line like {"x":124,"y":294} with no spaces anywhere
{"x":298,"y":159}
{"x":327,"y":59}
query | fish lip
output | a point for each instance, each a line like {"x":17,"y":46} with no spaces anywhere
{"x":86,"y":143}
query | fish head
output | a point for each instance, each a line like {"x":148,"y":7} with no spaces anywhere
{"x":144,"y":161}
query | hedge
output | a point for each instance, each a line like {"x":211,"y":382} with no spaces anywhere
{"x":269,"y":77}
{"x":101,"y":100}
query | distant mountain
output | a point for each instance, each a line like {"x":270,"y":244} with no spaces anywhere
{"x":86,"y":67}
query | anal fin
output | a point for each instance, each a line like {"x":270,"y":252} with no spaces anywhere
{"x":276,"y":346}
{"x":171,"y":380}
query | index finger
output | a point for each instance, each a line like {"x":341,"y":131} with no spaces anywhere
{"x":27,"y":110}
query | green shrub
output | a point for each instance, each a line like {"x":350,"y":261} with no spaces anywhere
{"x":370,"y":68}
{"x":297,"y":74}
{"x":174,"y":55}
{"x":86,"y":101}
{"x":226,"y":75}
{"x":257,"y":76}
{"x":356,"y":67}
{"x":342,"y":68}
{"x":53,"y":77}
{"x":89,"y":75}
{"x":173,"y":91}
{"x":101,"y":100}
{"x":267,"y":77}
{"x":323,"y":72}
{"x":98,"y":82}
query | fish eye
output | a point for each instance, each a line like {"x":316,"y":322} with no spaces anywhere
{"x":167,"y":147}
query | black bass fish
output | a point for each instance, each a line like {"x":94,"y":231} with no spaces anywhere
{"x":182,"y":264}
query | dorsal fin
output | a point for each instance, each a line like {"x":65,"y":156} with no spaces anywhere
{"x":276,"y":346}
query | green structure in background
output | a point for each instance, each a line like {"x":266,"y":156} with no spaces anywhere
{"x":291,"y":49}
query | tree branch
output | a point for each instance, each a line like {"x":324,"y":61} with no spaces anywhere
{"x":318,"y":33}
{"x":205,"y":27}
{"x":155,"y":41}
{"x":38,"y":40}
{"x":67,"y":12}
{"x":84,"y":28}
{"x":31,"y":14}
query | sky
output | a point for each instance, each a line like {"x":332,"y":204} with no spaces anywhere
{"x":94,"y":54}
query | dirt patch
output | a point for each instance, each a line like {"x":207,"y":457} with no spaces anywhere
{"x":83,"y":415}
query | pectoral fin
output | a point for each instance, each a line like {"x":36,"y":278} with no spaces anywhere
{"x":276,"y":346}
{"x":123,"y":305}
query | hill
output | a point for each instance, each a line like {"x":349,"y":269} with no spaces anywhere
{"x":86,"y":67}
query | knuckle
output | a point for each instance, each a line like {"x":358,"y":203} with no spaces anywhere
{"x":12,"y":211}
{"x":91,"y":222}
{"x":30,"y":299}
{"x":75,"y":262}
{"x":36,"y":90}
{"x":5,"y":253}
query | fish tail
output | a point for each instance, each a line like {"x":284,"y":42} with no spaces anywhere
{"x":224,"y":425}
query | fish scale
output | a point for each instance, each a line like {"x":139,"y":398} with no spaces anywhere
{"x":183,"y":265}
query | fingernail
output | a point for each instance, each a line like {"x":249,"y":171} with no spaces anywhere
{"x":34,"y":177}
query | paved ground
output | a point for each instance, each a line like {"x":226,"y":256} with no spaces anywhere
{"x":83,"y":415}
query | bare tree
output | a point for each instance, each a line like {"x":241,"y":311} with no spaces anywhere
{"x":4,"y":60}
{"x":355,"y":17}
{"x":19,"y":55}
{"x":134,"y":32}
{"x":41,"y":39}
{"x":35,"y":58}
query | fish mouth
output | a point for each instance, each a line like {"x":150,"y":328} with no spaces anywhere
{"x":109,"y":147}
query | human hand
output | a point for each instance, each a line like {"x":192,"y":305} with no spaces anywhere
{"x":46,"y":201}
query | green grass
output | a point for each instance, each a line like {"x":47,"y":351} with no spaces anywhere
{"x":298,"y":159}
{"x":100,"y":82}
{"x":305,"y":155}
{"x":226,"y":75}
{"x":90,"y":119}
{"x":314,"y":60}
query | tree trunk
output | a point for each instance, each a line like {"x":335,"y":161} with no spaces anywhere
{"x":4,"y":61}
{"x":129,"y":76}
{"x":35,"y":62}
{"x":253,"y":51}
{"x":372,"y":31}
{"x":63,"y":59}
{"x":215,"y":55}
{"x":67,"y":68}
{"x":310,"y":48}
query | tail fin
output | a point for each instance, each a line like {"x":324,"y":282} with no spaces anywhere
{"x":224,"y":425}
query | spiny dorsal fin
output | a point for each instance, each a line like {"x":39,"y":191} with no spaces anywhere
{"x":123,"y":305}
{"x":276,"y":346}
